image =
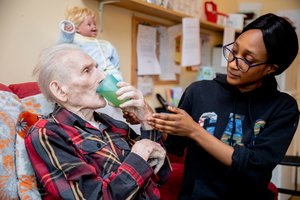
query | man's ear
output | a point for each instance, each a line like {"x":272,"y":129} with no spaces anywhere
{"x":272,"y":68}
{"x":59,"y":91}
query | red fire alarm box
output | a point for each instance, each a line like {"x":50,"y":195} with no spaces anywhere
{"x":212,"y":14}
{"x":211,"y":11}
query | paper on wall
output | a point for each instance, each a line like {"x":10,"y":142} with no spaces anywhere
{"x":205,"y":49}
{"x":168,"y":36}
{"x":147,"y":62}
{"x":174,"y":32}
{"x":190,"y":42}
{"x":228,"y":37}
{"x":145,"y":84}
{"x":166,"y":61}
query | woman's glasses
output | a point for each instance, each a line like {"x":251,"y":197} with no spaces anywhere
{"x":242,"y":64}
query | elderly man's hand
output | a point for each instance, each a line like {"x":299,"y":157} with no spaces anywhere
{"x":150,"y":151}
{"x":135,"y":104}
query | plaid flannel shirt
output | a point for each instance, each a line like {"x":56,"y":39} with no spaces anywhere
{"x":74,"y":160}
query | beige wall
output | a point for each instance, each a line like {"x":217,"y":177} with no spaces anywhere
{"x":274,"y":6}
{"x":229,"y":6}
{"x":27,"y":26}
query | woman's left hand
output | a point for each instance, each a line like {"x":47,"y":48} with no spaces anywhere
{"x":178,"y":122}
{"x":130,"y":117}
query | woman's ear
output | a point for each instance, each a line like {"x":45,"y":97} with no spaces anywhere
{"x":272,"y":68}
{"x":58,"y":91}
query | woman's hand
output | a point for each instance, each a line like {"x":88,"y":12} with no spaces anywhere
{"x":176,"y":123}
{"x":181,"y":124}
{"x":130,"y":117}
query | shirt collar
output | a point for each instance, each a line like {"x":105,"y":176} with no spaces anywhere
{"x":82,"y":38}
{"x":62,"y":115}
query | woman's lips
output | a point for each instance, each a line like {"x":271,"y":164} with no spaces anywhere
{"x":232,"y":75}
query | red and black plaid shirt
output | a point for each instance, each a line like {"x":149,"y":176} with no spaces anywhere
{"x":74,"y":160}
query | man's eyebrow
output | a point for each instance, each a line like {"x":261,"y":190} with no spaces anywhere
{"x":86,"y":65}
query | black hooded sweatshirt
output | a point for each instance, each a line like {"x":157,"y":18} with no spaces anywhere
{"x":259,"y":124}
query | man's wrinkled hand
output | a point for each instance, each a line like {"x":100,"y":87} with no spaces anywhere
{"x":150,"y":151}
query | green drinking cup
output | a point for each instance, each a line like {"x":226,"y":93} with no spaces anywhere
{"x":107,"y":88}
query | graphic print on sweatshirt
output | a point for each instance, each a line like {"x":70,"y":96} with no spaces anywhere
{"x":258,"y":127}
{"x":230,"y":136}
{"x":208,"y":121}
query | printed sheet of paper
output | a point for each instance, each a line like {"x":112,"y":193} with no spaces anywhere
{"x":190,"y":42}
{"x":174,"y":32}
{"x":228,"y":37}
{"x":169,"y":68}
{"x":145,"y":84}
{"x":205,"y":50}
{"x":147,"y":62}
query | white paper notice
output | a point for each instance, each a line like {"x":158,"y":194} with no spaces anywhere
{"x":190,"y":42}
{"x":169,"y":68}
{"x":145,"y":84}
{"x":228,"y":37}
{"x":173,"y":33}
{"x":166,"y":60}
{"x":147,"y":62}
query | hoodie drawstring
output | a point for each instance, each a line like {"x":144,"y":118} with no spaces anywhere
{"x":233,"y":125}
{"x":251,"y":124}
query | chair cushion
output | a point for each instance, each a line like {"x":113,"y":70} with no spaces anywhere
{"x":33,"y":104}
{"x":25,"y":89}
{"x":27,"y":182}
{"x":170,"y":190}
{"x":37,"y":104}
{"x":4,"y":88}
{"x":20,"y":105}
{"x":10,"y":107}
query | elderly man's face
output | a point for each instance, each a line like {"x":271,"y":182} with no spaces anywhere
{"x":84,"y":77}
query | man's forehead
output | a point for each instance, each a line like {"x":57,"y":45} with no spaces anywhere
{"x":77,"y":59}
{"x":74,"y":56}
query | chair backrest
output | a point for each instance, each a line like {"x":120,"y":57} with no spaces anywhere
{"x":20,"y":104}
{"x":273,"y":188}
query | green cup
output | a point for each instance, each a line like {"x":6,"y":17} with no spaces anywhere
{"x":107,"y":88}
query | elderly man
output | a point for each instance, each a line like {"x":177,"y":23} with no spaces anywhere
{"x":78,"y":153}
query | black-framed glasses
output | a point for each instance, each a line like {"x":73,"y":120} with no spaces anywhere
{"x":242,"y":64}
